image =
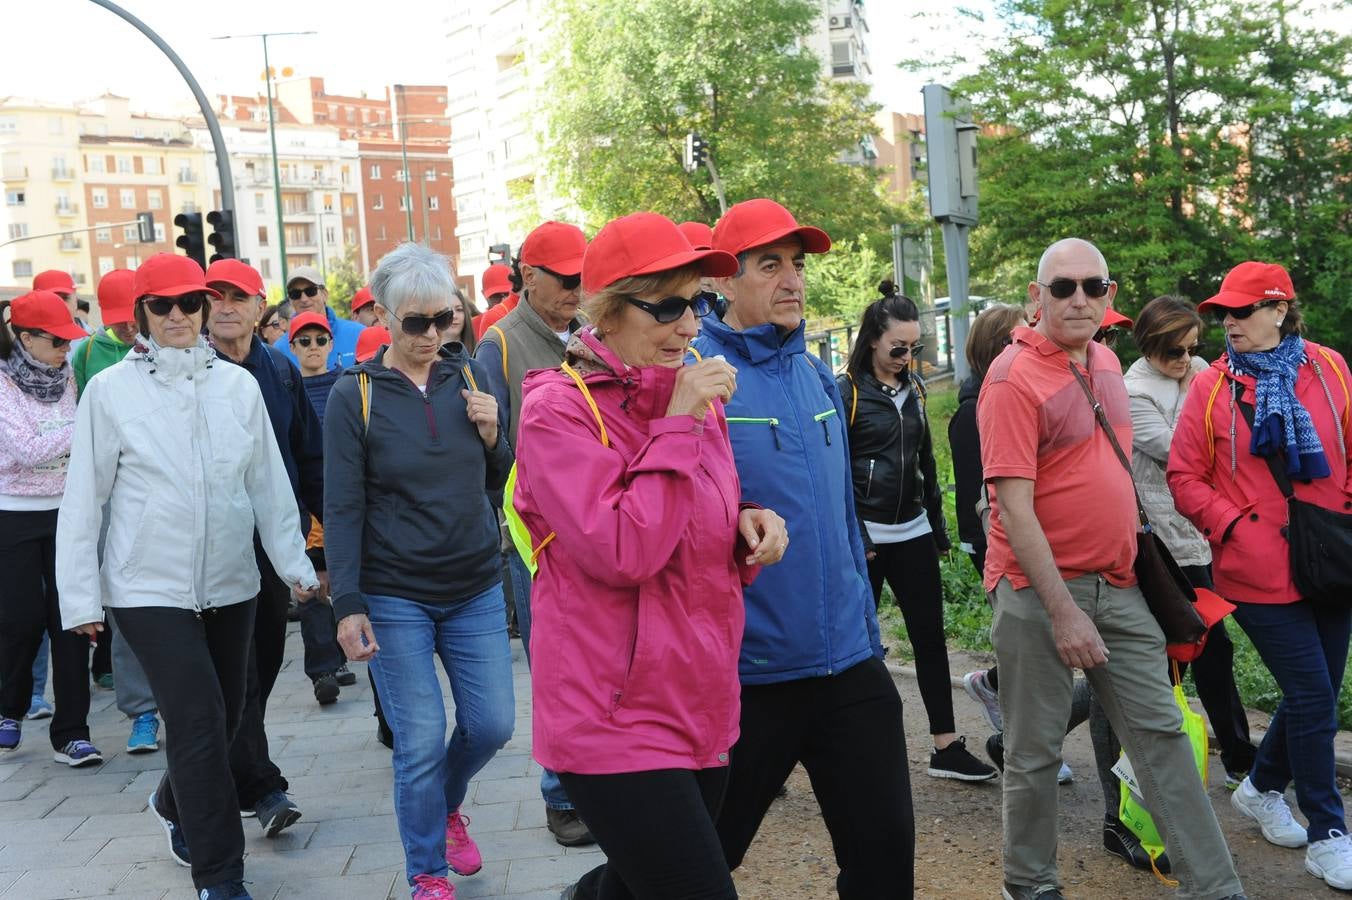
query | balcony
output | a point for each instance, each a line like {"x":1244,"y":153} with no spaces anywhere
{"x":187,"y":176}
{"x":14,"y":173}
{"x":71,"y":244}
{"x":67,"y":209}
{"x":297,"y":212}
{"x":63,"y":174}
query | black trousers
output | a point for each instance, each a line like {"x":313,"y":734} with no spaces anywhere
{"x":1213,"y":673}
{"x":319,"y":635}
{"x":196,"y":669}
{"x":912,"y":570}
{"x":29,"y":606}
{"x":255,"y":774}
{"x":657,"y":831}
{"x":846,"y":730}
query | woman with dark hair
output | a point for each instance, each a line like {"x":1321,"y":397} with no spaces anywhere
{"x":462,"y":327}
{"x":274,"y":324}
{"x":896,"y":489}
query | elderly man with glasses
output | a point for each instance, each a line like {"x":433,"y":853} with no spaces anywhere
{"x":306,"y":292}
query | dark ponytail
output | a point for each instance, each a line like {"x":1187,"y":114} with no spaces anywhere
{"x":877,"y":318}
{"x":515,"y":278}
{"x":888,"y":288}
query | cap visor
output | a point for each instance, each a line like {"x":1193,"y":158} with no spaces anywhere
{"x":570,"y":266}
{"x":1229,"y":300}
{"x":71,"y":332}
{"x":814,"y":239}
{"x":178,"y":290}
{"x":118,"y":315}
{"x":251,"y":290}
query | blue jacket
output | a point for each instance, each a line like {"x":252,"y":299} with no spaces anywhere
{"x":343,"y":350}
{"x":813,"y":613}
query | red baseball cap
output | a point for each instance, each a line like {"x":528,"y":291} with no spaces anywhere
{"x":236,"y":274}
{"x":1249,"y":283}
{"x":1112,"y":318}
{"x":117,"y":296}
{"x":556,"y":246}
{"x":54,"y":280}
{"x":700,"y":236}
{"x":44,"y":311}
{"x":370,"y":341}
{"x":363,"y":297}
{"x":171,"y":275}
{"x":755,"y":223}
{"x":307,"y":320}
{"x":642,"y":243}
{"x":497,"y":279}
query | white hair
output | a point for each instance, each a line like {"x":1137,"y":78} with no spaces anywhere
{"x":412,"y":272}
{"x":1062,"y":244}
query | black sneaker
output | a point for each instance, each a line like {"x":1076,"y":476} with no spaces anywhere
{"x":326,"y":689}
{"x":1025,"y":892}
{"x":275,"y":812}
{"x":345,"y":676}
{"x":1119,"y":841}
{"x":955,"y":762}
{"x":568,"y":828}
{"x":995,"y":749}
{"x":178,"y":844}
{"x":228,"y":890}
{"x":384,"y":735}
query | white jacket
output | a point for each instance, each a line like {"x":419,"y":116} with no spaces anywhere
{"x":1156,"y":403}
{"x":184,"y":451}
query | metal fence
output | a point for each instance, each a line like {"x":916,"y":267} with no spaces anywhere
{"x":831,"y":340}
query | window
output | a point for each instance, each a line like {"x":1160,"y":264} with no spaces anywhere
{"x":104,"y":236}
{"x":377,"y":202}
{"x":260,"y":203}
{"x":97,"y":164}
{"x":262,"y":236}
{"x":59,"y":168}
{"x":159,"y":232}
{"x":155,"y":199}
{"x":349,"y":205}
{"x":105,"y":265}
{"x":124,"y":165}
{"x":55,"y":125}
{"x":265,"y":268}
{"x":126,"y":198}
{"x":434,"y":203}
{"x":438,"y":232}
{"x":330,"y":235}
{"x":99,"y":198}
{"x":138,"y":131}
{"x":346,"y":172}
{"x":63,"y":203}
{"x":14,"y":198}
{"x":381,"y":233}
{"x":375,"y":173}
{"x":351,"y":235}
{"x":23,"y":268}
{"x":430,"y":174}
{"x":133,"y":262}
{"x":9,"y":125}
{"x":18,"y":230}
{"x":328,"y":203}
{"x":189,"y":206}
{"x":403,"y":203}
{"x":131,"y":233}
{"x":319,"y":173}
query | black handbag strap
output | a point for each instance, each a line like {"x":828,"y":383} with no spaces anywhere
{"x":1274,"y":463}
{"x":1102,"y":418}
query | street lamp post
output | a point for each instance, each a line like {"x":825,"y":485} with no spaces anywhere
{"x":403,"y":152}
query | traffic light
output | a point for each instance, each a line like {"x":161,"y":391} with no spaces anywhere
{"x":696,"y":151}
{"x":145,"y":227}
{"x":500,"y":255}
{"x":222,"y":238}
{"x":191,"y":238}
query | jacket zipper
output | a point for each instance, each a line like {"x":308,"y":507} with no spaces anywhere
{"x":868,"y":489}
{"x":901,"y":470}
{"x":826,"y":429}
{"x":751,"y":420}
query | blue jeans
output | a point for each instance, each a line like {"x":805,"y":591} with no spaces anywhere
{"x":40,"y":668}
{"x":431,"y":774}
{"x":550,"y":786}
{"x":1304,"y":646}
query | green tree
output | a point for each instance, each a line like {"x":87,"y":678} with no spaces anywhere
{"x":344,"y":279}
{"x":626,"y":81}
{"x":841,"y":283}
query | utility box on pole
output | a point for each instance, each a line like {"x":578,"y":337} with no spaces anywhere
{"x":950,"y":142}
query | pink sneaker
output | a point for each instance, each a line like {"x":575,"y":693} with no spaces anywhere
{"x":432,"y":887}
{"x":462,"y":855}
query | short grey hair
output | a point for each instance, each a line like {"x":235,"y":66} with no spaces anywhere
{"x":412,"y":272}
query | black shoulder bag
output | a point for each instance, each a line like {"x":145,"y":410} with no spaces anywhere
{"x":1320,"y":539}
{"x":1166,"y":589}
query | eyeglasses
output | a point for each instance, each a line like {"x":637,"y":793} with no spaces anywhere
{"x":673,"y":308}
{"x":1062,"y":288}
{"x":57,"y":342}
{"x":898,"y":352}
{"x":1239,"y":312}
{"x":569,"y":282}
{"x":188,"y":304}
{"x":310,"y":291}
{"x":1107,"y":336}
{"x":273,"y":326}
{"x":320,"y":340}
{"x":416,"y":325}
{"x":1178,"y":352}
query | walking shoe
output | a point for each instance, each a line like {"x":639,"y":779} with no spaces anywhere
{"x":462,"y":854}
{"x":978,"y":687}
{"x":995,"y":749}
{"x":293,"y":610}
{"x":11,"y":733}
{"x":145,"y":734}
{"x":105,"y":681}
{"x":1331,"y":860}
{"x":432,"y":887}
{"x":249,"y":813}
{"x":1119,"y":840}
{"x":228,"y":890}
{"x":955,"y":762}
{"x":1234,"y":779}
{"x":78,"y":754}
{"x":1064,"y":775}
{"x":276,"y":812}
{"x":1271,"y":813}
{"x":384,"y":735}
{"x":39,"y":708}
{"x":326,"y":689}
{"x":1026,"y":892}
{"x":346,"y":677}
{"x":567,"y":827}
{"x":178,"y":845}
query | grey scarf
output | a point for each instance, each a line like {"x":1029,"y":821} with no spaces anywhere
{"x":43,"y":383}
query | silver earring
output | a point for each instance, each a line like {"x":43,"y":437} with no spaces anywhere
{"x":1279,"y":322}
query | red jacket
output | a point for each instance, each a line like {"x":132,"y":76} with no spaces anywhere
{"x":1251,"y":562}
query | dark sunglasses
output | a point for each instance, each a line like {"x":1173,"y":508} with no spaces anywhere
{"x":321,"y":340}
{"x":569,"y":282}
{"x":188,"y":304}
{"x":1239,"y":312}
{"x":1177,"y":352}
{"x":673,"y":308}
{"x":1107,"y":336}
{"x":1061,"y":288}
{"x":416,"y":325}
{"x":898,"y":352}
{"x":57,"y":342}
{"x":310,"y":291}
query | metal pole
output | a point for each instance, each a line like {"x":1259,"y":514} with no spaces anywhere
{"x":955,"y":256}
{"x":276,"y":169}
{"x":403,"y":150}
{"x":718,"y":183}
{"x":323,"y":269}
{"x":213,"y":126}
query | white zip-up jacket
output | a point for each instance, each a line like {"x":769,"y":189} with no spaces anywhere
{"x":184,"y":451}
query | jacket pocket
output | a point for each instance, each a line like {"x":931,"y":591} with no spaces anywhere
{"x":753,"y":421}
{"x":827,"y":420}
{"x":634,"y":664}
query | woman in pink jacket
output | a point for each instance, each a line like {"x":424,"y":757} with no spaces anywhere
{"x":626,"y":483}
{"x":1298,"y":393}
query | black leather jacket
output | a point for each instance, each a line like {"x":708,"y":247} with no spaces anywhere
{"x":892,"y":456}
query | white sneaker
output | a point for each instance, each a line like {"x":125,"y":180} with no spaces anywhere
{"x":1331,"y":860}
{"x":980,"y":690}
{"x":1064,"y":775}
{"x":1271,"y":813}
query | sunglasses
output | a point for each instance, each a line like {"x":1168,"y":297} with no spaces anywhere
{"x":1239,"y":312}
{"x":673,"y":308}
{"x":1107,"y":336}
{"x":57,"y":342}
{"x":188,"y":304}
{"x":320,"y":340}
{"x":416,"y":325}
{"x":898,"y":352}
{"x":310,"y":291}
{"x":1178,"y":352}
{"x":569,"y":282}
{"x":1062,"y":288}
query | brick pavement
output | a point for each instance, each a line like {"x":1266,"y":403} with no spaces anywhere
{"x":68,"y":834}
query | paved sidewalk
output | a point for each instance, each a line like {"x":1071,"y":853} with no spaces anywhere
{"x":68,"y":834}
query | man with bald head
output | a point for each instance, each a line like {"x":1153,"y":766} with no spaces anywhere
{"x":1065,"y":595}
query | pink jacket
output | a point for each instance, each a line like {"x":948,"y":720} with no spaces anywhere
{"x":34,"y":441}
{"x":637,"y":605}
{"x":1251,"y":563}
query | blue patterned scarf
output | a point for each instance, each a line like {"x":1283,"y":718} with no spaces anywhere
{"x":1281,"y":424}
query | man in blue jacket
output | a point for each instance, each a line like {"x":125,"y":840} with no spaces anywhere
{"x":306,"y":292}
{"x":814,"y":687}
